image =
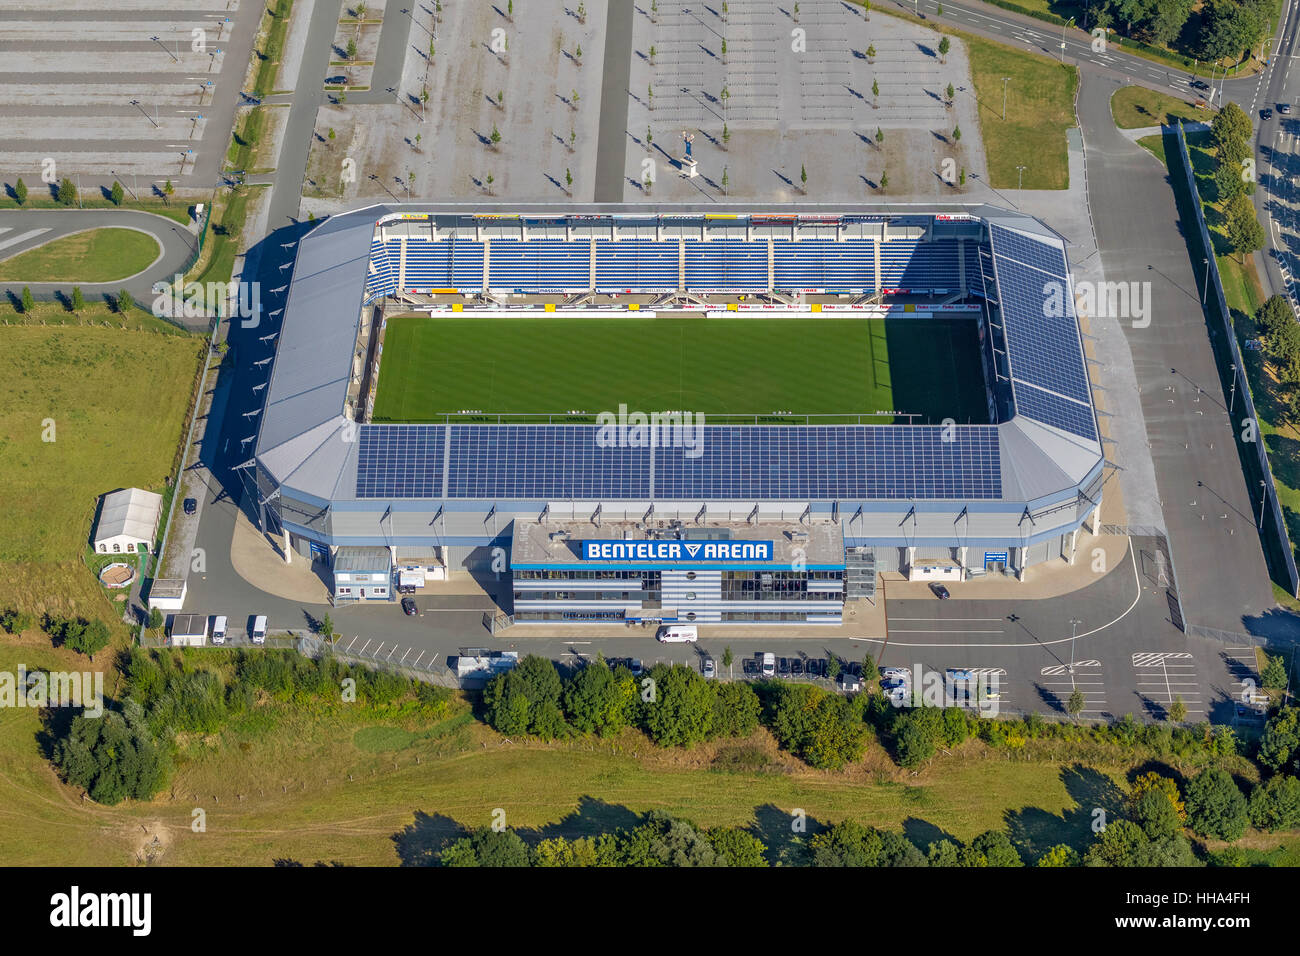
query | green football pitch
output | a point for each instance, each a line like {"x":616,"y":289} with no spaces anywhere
{"x":729,"y":369}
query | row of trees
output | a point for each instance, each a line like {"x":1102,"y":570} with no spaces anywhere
{"x":1234,"y":179}
{"x":65,"y":193}
{"x":1282,"y":335}
{"x":76,"y":301}
{"x":1228,"y":29}
{"x":128,"y":752}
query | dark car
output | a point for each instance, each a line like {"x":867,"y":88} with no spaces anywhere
{"x":1266,"y":113}
{"x":748,"y":665}
{"x":190,"y":506}
{"x":855,"y":668}
{"x":335,"y":80}
{"x":940,"y":591}
{"x":783,"y":665}
{"x":1199,"y":85}
{"x":823,"y":667}
{"x":408,"y":606}
{"x":406,"y":589}
{"x":796,"y":667}
{"x":813,"y":667}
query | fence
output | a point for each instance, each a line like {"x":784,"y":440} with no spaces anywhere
{"x":1216,"y":283}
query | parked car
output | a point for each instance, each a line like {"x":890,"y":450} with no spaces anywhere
{"x":855,"y":668}
{"x":783,"y":666}
{"x":895,"y":673}
{"x":708,"y":668}
{"x":258,"y":633}
{"x":408,"y":606}
{"x":219,"y":630}
{"x":406,"y":589}
{"x":634,"y":665}
{"x":940,"y":591}
{"x":796,"y":667}
{"x":335,"y":80}
{"x":821,"y":667}
{"x":767,"y":663}
{"x":749,"y":666}
{"x":190,"y":506}
{"x":678,"y":634}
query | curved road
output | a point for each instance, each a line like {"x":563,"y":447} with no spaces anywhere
{"x":22,"y":230}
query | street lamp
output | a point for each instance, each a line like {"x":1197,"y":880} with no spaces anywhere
{"x":1020,"y":179}
{"x":1004,"y":97}
{"x":1074,"y":624}
{"x":1205,"y":286}
{"x":1064,"y":26}
{"x":1263,"y":496}
{"x":1232,"y":395}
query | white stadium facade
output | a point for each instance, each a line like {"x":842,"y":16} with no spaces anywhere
{"x":772,"y":523}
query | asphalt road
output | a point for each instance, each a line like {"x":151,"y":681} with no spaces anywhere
{"x":22,"y":230}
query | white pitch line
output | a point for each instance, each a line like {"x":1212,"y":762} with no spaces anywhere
{"x":943,"y":631}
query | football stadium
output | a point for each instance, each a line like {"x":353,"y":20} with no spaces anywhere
{"x":675,"y":414}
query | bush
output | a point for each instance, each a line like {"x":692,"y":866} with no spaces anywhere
{"x":15,"y":622}
{"x":1276,"y":804}
{"x":114,"y":757}
{"x":1215,"y":806}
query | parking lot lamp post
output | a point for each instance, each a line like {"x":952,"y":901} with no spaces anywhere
{"x":1064,"y":26}
{"x":1263,"y":496}
{"x":1020,"y":180}
{"x":1232,"y":395}
{"x":1205,"y":286}
{"x":1074,"y":626}
{"x":1005,"y":80}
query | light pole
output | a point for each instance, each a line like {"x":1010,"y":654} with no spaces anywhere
{"x":1263,"y":496}
{"x":1205,"y":286}
{"x":1005,"y":79}
{"x":1064,"y":26}
{"x":1232,"y":395}
{"x":1020,"y":179}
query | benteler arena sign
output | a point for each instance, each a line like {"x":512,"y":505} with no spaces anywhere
{"x":677,"y":550}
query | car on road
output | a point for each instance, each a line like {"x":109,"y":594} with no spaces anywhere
{"x":939,"y":591}
{"x":681,"y":634}
{"x":408,"y":606}
{"x":190,"y":506}
{"x":1266,"y":113}
{"x":1284,"y":109}
{"x":1199,"y":85}
{"x":708,"y":668}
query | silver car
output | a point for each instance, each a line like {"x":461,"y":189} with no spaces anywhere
{"x":708,"y":668}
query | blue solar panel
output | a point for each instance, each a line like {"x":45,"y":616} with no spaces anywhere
{"x":1038,"y":253}
{"x":543,"y":461}
{"x":1074,"y":417}
{"x":400,"y":461}
{"x":850,"y":461}
{"x":1042,"y":335}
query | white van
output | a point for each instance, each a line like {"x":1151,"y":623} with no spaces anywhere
{"x":683,"y":634}
{"x":259,"y":629}
{"x":768,"y":665}
{"x":219,"y":630}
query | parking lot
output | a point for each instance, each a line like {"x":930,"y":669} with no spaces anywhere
{"x":136,"y":90}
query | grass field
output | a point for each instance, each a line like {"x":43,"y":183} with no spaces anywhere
{"x":100,"y":255}
{"x":721,"y":367}
{"x":117,"y":400}
{"x":1135,"y":107}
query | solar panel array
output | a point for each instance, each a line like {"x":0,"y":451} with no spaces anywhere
{"x":1048,"y":372}
{"x":400,"y":461}
{"x":502,"y":462}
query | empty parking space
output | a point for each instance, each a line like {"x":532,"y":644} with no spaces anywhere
{"x":1163,"y":677}
{"x":1058,"y":682}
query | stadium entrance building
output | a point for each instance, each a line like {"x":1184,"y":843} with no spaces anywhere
{"x":481,"y":492}
{"x":712,"y":573}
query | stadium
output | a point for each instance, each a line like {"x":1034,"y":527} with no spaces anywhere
{"x":674,"y":413}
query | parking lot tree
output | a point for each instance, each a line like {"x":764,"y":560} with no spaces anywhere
{"x":582,"y":12}
{"x":869,"y":669}
{"x":875,"y":91}
{"x":489,"y":179}
{"x":117,"y":193}
{"x":961,"y":179}
{"x":577,"y":54}
{"x":871,"y":53}
{"x":728,"y":659}
{"x":1273,"y":676}
{"x":866,"y":9}
{"x":568,"y":178}
{"x":950,"y":92}
{"x":726,"y":136}
{"x":944,"y":46}
{"x":652,"y":54}
{"x":351,"y":48}
{"x":833,"y":667}
{"x":573,"y":99}
{"x":1060,"y":855}
{"x":884,"y":181}
{"x":67,"y":192}
{"x":325,"y":627}
{"x":20,"y":191}
{"x":880,"y":135}
{"x":956,"y":134}
{"x":28,"y":302}
{"x":1215,"y":805}
{"x":1275,"y":805}
{"x":168,"y":188}
{"x":1178,"y":710}
{"x":495,"y":137}
{"x":1274,"y":314}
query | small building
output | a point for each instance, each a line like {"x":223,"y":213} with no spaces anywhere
{"x":189,"y":630}
{"x":128,"y":522}
{"x":167,"y":594}
{"x":362,"y":574}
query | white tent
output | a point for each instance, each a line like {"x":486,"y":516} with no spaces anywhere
{"x":128,"y":521}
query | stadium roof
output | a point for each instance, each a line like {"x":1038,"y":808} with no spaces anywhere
{"x":307,"y":440}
